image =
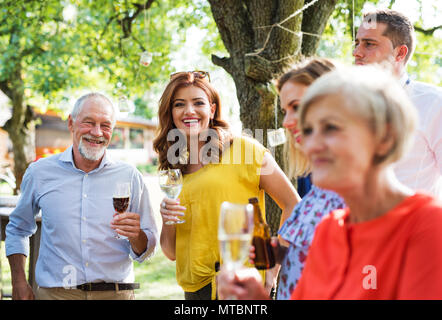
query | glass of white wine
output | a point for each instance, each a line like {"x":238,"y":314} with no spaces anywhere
{"x":235,"y":232}
{"x":171,"y":183}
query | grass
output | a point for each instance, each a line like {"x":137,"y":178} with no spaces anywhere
{"x":5,"y":275}
{"x":157,"y":280}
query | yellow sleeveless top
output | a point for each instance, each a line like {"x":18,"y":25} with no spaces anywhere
{"x":235,"y":179}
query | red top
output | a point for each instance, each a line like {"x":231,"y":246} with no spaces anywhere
{"x":395,"y":256}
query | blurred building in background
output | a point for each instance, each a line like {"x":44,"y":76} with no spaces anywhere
{"x":131,"y":140}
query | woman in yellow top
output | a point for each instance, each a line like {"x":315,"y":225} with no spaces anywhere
{"x":217,"y":167}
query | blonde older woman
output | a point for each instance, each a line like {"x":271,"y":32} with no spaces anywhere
{"x":387,"y":244}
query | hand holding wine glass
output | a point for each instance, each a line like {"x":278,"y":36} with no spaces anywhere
{"x":241,"y":284}
{"x":171,"y":183}
{"x":235,"y":233}
{"x":121,"y":199}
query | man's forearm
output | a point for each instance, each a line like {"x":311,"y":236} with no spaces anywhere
{"x":140,"y":244}
{"x":17,"y":264}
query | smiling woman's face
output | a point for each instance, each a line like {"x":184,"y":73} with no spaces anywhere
{"x":290,"y":95}
{"x":192,"y":110}
{"x":339,"y":144}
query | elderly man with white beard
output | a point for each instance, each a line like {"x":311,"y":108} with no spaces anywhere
{"x":80,"y":256}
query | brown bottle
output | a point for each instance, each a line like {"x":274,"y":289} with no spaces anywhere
{"x":264,"y":257}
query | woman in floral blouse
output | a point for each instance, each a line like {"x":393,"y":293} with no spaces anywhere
{"x":298,"y":230}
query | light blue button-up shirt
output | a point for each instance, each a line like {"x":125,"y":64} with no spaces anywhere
{"x":77,"y":243}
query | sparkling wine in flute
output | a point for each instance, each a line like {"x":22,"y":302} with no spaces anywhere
{"x":171,"y":191}
{"x":235,"y":231}
{"x":234,"y":249}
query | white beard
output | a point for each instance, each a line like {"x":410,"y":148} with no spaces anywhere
{"x":92,"y":154}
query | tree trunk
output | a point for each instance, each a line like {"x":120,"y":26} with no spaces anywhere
{"x":314,"y":21}
{"x":255,"y":34}
{"x":20,"y":127}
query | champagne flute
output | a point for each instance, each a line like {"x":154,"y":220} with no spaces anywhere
{"x":235,"y":231}
{"x":121,"y":199}
{"x":171,"y":183}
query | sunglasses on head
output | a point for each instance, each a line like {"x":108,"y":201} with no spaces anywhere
{"x":196,"y":73}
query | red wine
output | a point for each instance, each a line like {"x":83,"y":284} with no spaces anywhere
{"x":121,"y":204}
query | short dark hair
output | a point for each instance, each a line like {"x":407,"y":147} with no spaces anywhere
{"x":399,"y":29}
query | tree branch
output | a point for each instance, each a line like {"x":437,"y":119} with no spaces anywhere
{"x":428,"y":32}
{"x":108,"y":24}
{"x":140,"y":44}
{"x":314,"y":20}
{"x":234,"y":26}
{"x":5,"y":88}
{"x":126,"y":22}
{"x":224,"y":62}
{"x":32,"y":50}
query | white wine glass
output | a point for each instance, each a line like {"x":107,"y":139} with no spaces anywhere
{"x":121,"y":199}
{"x":171,"y":183}
{"x":235,"y":232}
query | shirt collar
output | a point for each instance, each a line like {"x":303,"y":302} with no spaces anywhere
{"x":67,"y":156}
{"x":404,"y":80}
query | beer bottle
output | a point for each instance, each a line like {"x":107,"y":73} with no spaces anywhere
{"x":264,"y":257}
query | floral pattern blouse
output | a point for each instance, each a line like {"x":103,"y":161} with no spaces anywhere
{"x":298,"y":230}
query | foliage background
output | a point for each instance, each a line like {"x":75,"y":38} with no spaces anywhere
{"x":90,"y":50}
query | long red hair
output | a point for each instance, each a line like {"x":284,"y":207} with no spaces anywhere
{"x":161,"y":144}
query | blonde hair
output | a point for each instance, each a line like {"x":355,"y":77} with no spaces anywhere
{"x":304,"y":73}
{"x":375,"y":96}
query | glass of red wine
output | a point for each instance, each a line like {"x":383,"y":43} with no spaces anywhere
{"x":121,"y":199}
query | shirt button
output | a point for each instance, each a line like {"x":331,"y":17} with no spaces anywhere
{"x":84,"y":241}
{"x":87,"y":264}
{"x":84,"y":218}
{"x":85,"y":195}
{"x":86,"y":175}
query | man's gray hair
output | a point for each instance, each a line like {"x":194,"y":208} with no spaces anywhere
{"x":78,"y":106}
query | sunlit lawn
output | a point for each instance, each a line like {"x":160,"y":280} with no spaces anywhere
{"x":157,"y":280}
